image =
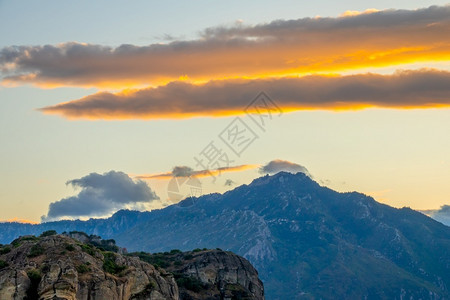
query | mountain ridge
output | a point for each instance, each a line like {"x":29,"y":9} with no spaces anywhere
{"x":307,"y":241}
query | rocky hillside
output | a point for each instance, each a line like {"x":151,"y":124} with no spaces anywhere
{"x":65,"y":267}
{"x":310,"y":242}
{"x":305,"y":240}
{"x":209,"y":274}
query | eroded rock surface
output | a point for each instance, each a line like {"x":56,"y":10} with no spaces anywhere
{"x":68,"y":267}
{"x":59,"y":267}
{"x":213,"y":274}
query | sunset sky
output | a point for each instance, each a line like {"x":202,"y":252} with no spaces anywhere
{"x":106,"y":105}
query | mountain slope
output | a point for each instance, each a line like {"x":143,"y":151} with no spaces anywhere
{"x":323,"y":243}
{"x":306,"y":240}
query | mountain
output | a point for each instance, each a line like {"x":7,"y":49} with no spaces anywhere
{"x":306,"y":241}
{"x":120,"y":221}
{"x":78,"y":266}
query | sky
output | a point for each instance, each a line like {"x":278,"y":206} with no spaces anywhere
{"x":110,"y":104}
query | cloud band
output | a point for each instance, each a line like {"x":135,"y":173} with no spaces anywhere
{"x":308,"y":45}
{"x":426,"y":88}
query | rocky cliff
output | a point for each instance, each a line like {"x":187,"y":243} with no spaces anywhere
{"x":62,"y":267}
{"x":209,"y":274}
{"x":222,"y":273}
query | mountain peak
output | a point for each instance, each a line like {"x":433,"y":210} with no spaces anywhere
{"x":337,"y":245}
{"x":283,"y":176}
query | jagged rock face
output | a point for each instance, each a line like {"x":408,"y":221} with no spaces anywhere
{"x":225,"y":275}
{"x":58,"y":267}
{"x":63,"y":267}
{"x":14,"y":284}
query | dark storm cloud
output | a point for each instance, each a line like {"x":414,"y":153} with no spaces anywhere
{"x":101,"y":194}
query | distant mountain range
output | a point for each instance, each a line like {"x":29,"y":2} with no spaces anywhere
{"x":306,"y":241}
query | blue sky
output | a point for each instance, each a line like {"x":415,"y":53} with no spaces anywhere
{"x":399,"y":156}
{"x":142,"y":22}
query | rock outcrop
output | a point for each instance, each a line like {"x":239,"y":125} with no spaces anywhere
{"x":232,"y":276}
{"x":59,"y":267}
{"x":210,"y":274}
{"x":65,"y":267}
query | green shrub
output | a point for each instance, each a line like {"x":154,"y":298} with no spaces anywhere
{"x":189,"y":283}
{"x":175,"y":251}
{"x":36,"y":250}
{"x":45,"y":269}
{"x":197,"y":250}
{"x":29,"y":238}
{"x":89,"y":249}
{"x":35,"y":278}
{"x":158,"y":260}
{"x":16,"y":243}
{"x":110,"y":265}
{"x":188,"y":256}
{"x":34,"y":275}
{"x":177,"y":263}
{"x":48,"y":233}
{"x":104,"y":245}
{"x":3,"y":264}
{"x":5,"y":250}
{"x":83,"y":268}
{"x":70,"y":247}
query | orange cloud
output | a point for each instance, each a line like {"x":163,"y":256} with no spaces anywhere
{"x":280,"y":48}
{"x":426,"y":88}
{"x":351,"y":13}
{"x":17,"y":220}
{"x":200,"y":173}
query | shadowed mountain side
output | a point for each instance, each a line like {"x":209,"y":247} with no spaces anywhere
{"x":306,"y":241}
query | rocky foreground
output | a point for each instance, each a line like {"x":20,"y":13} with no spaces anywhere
{"x":74,"y":266}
